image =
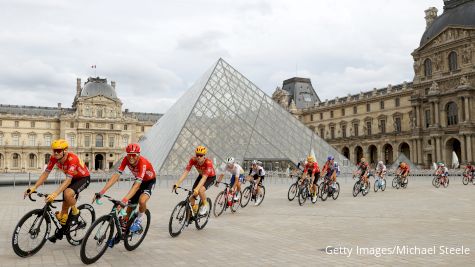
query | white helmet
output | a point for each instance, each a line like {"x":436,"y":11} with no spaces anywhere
{"x":380,"y":163}
{"x":254,"y":162}
{"x":230,"y":160}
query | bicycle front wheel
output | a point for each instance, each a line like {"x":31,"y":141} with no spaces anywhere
{"x":324,"y":191}
{"x":30,"y":233}
{"x":220,"y":204}
{"x":236,"y":203}
{"x":133,"y":240}
{"x":178,"y":219}
{"x":356,"y":189}
{"x":260,"y":196}
{"x":336,"y":191}
{"x":465,"y":180}
{"x":95,"y":241}
{"x":303,"y":195}
{"x":246,"y":196}
{"x":78,"y":230}
{"x":202,"y":220}
{"x":292,"y":192}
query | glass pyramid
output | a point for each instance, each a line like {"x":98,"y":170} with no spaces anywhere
{"x":228,"y":114}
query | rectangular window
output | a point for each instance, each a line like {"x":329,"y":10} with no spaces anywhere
{"x":332,"y":132}
{"x":16,"y":140}
{"x":0,"y":122}
{"x":355,"y":128}
{"x":427,"y":117}
{"x":331,"y":114}
{"x":111,"y":126}
{"x":368,"y":128}
{"x":47,"y":157}
{"x":99,"y":113}
{"x":71,"y":125}
{"x":47,"y":140}
{"x":48,"y":125}
{"x":396,"y":102}
{"x":125,"y":141}
{"x":343,"y":131}
{"x":32,"y":163}
{"x":87,"y":140}
{"x":321,"y":116}
{"x":143,"y":128}
{"x":383,"y":126}
{"x":72,"y":140}
{"x":381,"y":104}
{"x":111,"y":141}
{"x":322,"y":132}
{"x":311,"y":117}
{"x":355,"y":110}
{"x":17,"y":124}
{"x":87,"y":125}
{"x":342,"y":112}
{"x":397,"y":125}
{"x":1,"y":140}
{"x":368,"y":107}
{"x":31,"y":140}
{"x":125,"y":127}
{"x":32,"y":124}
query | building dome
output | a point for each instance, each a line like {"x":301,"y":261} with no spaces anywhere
{"x":98,"y":86}
{"x":459,"y":13}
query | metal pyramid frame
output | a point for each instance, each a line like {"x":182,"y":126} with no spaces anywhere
{"x":231,"y":116}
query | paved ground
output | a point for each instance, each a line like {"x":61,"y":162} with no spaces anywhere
{"x":280,"y":232}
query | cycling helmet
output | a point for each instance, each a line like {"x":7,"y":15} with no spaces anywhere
{"x":132,"y":149}
{"x":201,"y":150}
{"x":59,"y":144}
{"x":230,"y":160}
{"x":362,"y":160}
{"x":310,"y":159}
{"x":380,"y":163}
{"x":254,"y":162}
{"x":441,"y":164}
{"x":330,"y":158}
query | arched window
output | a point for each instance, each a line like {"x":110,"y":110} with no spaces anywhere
{"x":452,"y":114}
{"x":99,"y":140}
{"x":453,"y":61}
{"x":427,"y":67}
{"x":32,"y":161}
{"x":16,"y":160}
{"x":47,"y":157}
{"x":1,"y":161}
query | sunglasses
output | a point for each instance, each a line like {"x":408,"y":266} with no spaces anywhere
{"x":132,"y":155}
{"x":199,"y":155}
{"x":57,"y":151}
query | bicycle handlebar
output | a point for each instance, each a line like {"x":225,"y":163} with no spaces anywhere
{"x":43,"y":195}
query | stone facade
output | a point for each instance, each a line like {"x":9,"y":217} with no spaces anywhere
{"x":96,"y":128}
{"x":427,"y":119}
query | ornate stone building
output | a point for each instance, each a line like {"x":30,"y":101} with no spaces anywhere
{"x":96,"y":128}
{"x":427,"y":119}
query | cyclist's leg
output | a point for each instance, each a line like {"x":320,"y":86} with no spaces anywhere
{"x":69,"y":194}
{"x":202,"y":193}
{"x":195,"y":184}
{"x":145,"y":195}
{"x":241,"y":179}
{"x":232,"y":183}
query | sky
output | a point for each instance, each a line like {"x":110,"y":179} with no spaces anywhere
{"x":156,"y":50}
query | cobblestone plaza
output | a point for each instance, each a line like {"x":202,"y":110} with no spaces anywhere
{"x":282,"y":233}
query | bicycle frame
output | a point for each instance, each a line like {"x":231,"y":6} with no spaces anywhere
{"x":47,"y":211}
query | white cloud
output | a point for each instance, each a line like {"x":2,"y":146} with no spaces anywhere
{"x":155,"y":50}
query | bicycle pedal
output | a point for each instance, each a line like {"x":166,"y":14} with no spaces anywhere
{"x":52,"y":239}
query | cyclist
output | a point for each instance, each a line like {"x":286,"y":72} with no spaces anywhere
{"x":77,"y":179}
{"x":381,"y":171}
{"x":331,"y":170}
{"x":141,"y":190}
{"x":205,"y":179}
{"x":442,"y":171}
{"x":237,"y":176}
{"x":363,"y":168}
{"x":312,"y":169}
{"x":257,"y":173}
{"x":403,"y":170}
{"x":470,"y":169}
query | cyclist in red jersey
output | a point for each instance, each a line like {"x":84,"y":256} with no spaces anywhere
{"x":142,"y":188}
{"x":205,"y":179}
{"x":77,"y":179}
{"x":403,"y":170}
{"x":312,"y":169}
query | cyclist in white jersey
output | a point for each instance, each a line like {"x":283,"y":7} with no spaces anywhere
{"x":257,"y":173}
{"x":237,"y":176}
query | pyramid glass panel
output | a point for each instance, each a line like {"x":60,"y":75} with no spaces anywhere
{"x":228,"y":114}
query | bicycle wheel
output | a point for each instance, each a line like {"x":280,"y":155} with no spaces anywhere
{"x":314,"y":195}
{"x":96,"y":240}
{"x":404,"y":185}
{"x":323,"y":191}
{"x":293,"y":191}
{"x":376,"y":186}
{"x":246,"y":196}
{"x":356,"y":189}
{"x":465,"y":180}
{"x":202,"y":220}
{"x":434,"y":181}
{"x":336,"y":191}
{"x":303,"y":195}
{"x":383,"y":187}
{"x":178,"y":218}
{"x":437,"y":183}
{"x":133,"y":240}
{"x":76,"y":232}
{"x":30,"y":233}
{"x":395,"y":182}
{"x":446,"y":184}
{"x":260,"y":196}
{"x":219,"y":204}
{"x":236,"y":203}
{"x":366,"y":191}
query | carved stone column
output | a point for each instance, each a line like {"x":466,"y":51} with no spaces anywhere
{"x":467,"y":109}
{"x":419,"y":121}
{"x":414,"y":151}
{"x":460,"y":110}
{"x":437,"y":112}
{"x":468,"y":145}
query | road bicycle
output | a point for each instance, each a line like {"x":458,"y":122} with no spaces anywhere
{"x":249,"y":193}
{"x":34,"y":228}
{"x":225,"y":199}
{"x":327,"y":188}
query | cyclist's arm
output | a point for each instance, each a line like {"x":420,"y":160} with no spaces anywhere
{"x":132,"y":191}
{"x":182,"y":177}
{"x":220,"y":177}
{"x":111,"y":182}
{"x":63,"y":185}
{"x":42,"y":179}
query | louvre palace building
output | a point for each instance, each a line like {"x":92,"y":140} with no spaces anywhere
{"x":96,"y":128}
{"x":428,"y":120}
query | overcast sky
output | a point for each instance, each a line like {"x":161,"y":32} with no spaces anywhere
{"x":155,"y":50}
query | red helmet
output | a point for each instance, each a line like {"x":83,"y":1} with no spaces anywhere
{"x":133,"y":148}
